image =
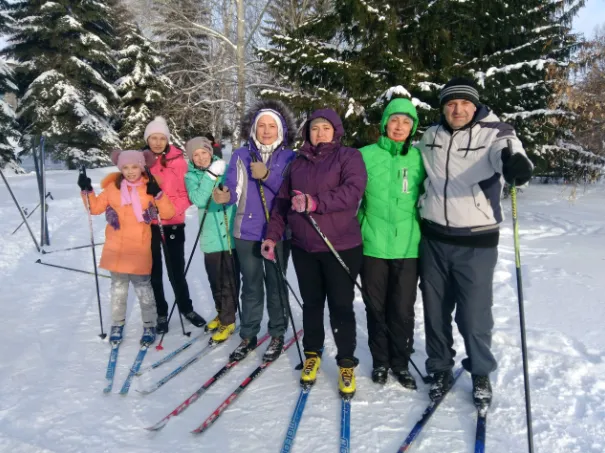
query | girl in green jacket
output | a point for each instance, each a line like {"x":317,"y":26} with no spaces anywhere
{"x":391,"y":235}
{"x":216,"y":239}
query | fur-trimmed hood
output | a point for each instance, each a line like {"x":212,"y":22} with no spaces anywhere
{"x":287,"y":117}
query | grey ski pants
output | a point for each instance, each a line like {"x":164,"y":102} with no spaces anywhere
{"x":258,"y":274}
{"x":453,"y":276}
{"x":119,"y":298}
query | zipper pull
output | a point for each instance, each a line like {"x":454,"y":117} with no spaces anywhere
{"x":405,"y":181}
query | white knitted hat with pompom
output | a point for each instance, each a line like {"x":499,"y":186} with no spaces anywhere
{"x":157,"y":126}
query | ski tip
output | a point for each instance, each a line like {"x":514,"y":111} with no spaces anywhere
{"x":157,"y":426}
{"x":107,"y":390}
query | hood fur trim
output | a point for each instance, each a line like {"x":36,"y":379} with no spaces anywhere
{"x":289,"y":121}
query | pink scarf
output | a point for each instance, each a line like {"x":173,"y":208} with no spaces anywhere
{"x":132,"y":197}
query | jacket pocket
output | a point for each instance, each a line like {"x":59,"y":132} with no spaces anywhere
{"x":481,"y":202}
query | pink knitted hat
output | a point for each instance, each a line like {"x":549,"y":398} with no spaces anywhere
{"x":121,"y":158}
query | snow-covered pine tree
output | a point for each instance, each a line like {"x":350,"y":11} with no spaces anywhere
{"x":284,"y":16}
{"x":354,"y":58}
{"x":65,"y":63}
{"x":520,"y":53}
{"x":141,"y":88}
{"x":9,"y":129}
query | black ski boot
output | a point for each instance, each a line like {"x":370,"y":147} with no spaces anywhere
{"x":482,"y":391}
{"x":442,"y":382}
{"x":380,"y":374}
{"x":274,"y":349}
{"x":195,"y":319}
{"x":162,"y":327}
{"x":406,"y":379}
{"x":244,"y":348}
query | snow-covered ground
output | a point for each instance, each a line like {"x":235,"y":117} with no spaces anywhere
{"x":53,"y":363}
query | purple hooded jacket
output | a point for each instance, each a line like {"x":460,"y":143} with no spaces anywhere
{"x":336,"y":178}
{"x":250,"y":220}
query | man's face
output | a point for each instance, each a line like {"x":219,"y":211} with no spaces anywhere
{"x":459,"y":112}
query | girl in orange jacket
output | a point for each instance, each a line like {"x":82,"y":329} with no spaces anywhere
{"x":130,"y":202}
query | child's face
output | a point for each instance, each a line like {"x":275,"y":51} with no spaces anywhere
{"x":132,"y":172}
{"x":201,"y":158}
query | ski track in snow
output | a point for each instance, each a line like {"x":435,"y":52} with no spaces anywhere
{"x":53,"y":363}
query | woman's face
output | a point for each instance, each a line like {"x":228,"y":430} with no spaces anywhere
{"x":132,"y":172}
{"x":266,"y":130}
{"x":321,"y":133}
{"x":157,"y":143}
{"x":399,"y":127}
{"x":201,"y":158}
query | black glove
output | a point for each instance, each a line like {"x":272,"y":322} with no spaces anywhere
{"x":153,"y":188}
{"x":84,"y":183}
{"x":516,"y":167}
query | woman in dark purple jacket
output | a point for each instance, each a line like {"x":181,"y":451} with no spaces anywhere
{"x":326,"y":181}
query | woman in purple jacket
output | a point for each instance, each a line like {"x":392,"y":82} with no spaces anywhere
{"x":326,"y":181}
{"x":259,"y":166}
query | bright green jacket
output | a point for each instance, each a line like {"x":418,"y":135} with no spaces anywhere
{"x":214,"y":233}
{"x":388,"y":213}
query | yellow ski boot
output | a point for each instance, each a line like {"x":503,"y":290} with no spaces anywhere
{"x":346,"y":379}
{"x":223,"y":333}
{"x":310,"y":368}
{"x":213,"y":325}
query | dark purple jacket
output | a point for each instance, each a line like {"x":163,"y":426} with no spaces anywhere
{"x":336,"y":177}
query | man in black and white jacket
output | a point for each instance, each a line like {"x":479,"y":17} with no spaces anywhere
{"x":466,"y":155}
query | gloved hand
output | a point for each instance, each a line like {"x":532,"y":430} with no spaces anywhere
{"x":303,"y":202}
{"x":112,"y":217}
{"x":85,"y":183}
{"x":516,"y":167}
{"x":221,"y":196}
{"x":153,"y":188}
{"x":217,"y":168}
{"x":259,"y":170}
{"x":267,"y":249}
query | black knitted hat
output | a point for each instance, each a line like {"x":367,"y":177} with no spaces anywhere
{"x":459,"y":88}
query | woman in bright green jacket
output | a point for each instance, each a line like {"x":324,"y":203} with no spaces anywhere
{"x":391,"y":235}
{"x":216,"y":240}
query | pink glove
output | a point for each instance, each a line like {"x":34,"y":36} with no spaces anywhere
{"x":267,"y":249}
{"x":303,"y":202}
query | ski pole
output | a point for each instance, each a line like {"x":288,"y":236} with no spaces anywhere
{"x":44,"y":252}
{"x":234,"y":274}
{"x":94,"y":256}
{"x":73,"y":269}
{"x":32,"y":212}
{"x":285,"y":306}
{"x":425,"y":379}
{"x":159,"y":347}
{"x":31,"y":233}
{"x":513,"y":197}
{"x":197,"y":238}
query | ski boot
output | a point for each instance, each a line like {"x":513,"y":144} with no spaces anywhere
{"x":195,"y":319}
{"x":310,"y":368}
{"x":442,"y":382}
{"x":274,"y":349}
{"x":482,"y":391}
{"x":162,"y":327}
{"x":148,"y":337}
{"x":346,"y":378}
{"x":213,"y":325}
{"x":244,"y":348}
{"x":380,"y":375}
{"x":116,"y":334}
{"x":223,"y":333}
{"x":406,"y":379}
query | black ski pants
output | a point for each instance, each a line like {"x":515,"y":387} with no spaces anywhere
{"x":321,"y":276}
{"x":175,"y":264}
{"x":391,"y":288}
{"x":461,"y":277}
{"x":223,"y":274}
